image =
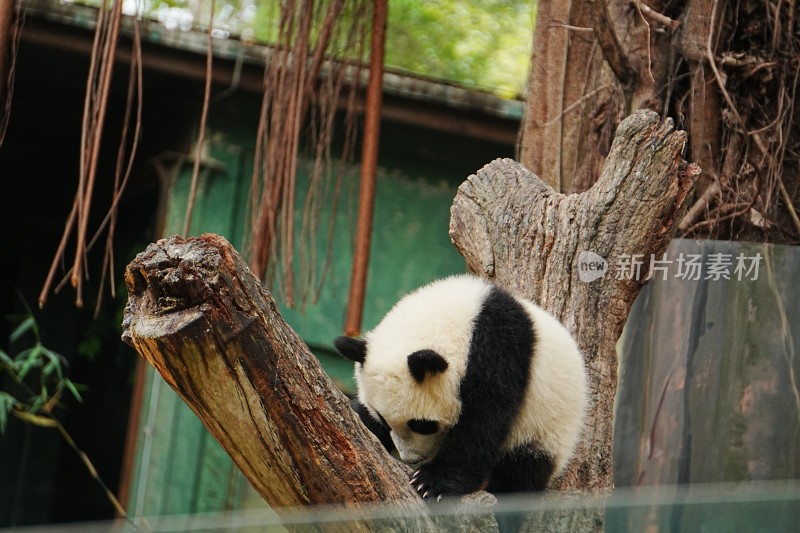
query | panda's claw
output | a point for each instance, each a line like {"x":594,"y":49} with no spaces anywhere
{"x":439,"y":498}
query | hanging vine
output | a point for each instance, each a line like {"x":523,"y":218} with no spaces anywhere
{"x":312,"y":77}
{"x":301,"y":97}
{"x":104,"y":50}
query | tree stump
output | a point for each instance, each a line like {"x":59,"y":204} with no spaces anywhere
{"x":516,"y":230}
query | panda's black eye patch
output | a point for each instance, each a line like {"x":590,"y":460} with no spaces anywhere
{"x":423,"y":427}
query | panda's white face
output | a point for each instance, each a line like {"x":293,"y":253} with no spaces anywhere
{"x":417,"y":440}
{"x":421,"y":409}
{"x":418,"y":415}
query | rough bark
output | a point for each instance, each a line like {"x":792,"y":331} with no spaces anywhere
{"x":573,"y":101}
{"x":515,"y":229}
{"x":593,"y":63}
{"x":726,"y":72}
{"x":200,"y":317}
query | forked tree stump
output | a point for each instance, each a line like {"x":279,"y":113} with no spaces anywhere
{"x":198,"y":315}
{"x":515,"y":229}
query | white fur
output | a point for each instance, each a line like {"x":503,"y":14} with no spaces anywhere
{"x":556,"y":402}
{"x":440,"y":317}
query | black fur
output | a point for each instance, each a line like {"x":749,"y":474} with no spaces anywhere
{"x":423,"y":362}
{"x":491,"y":393}
{"x":378,"y":427}
{"x":422,"y":426}
{"x":524,"y":469}
{"x":352,"y":348}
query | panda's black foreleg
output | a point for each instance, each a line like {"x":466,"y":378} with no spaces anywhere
{"x":492,"y":392}
{"x":525,"y":469}
{"x":375,"y":426}
{"x":465,"y":461}
{"x":439,"y":479}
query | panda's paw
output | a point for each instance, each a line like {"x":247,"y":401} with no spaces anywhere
{"x":434,"y":482}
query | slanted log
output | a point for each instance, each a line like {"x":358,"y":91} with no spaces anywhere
{"x":200,"y":317}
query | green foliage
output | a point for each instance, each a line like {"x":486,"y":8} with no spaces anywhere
{"x":39,"y":375}
{"x":482,"y":43}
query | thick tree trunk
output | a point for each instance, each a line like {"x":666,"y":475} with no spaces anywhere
{"x":725,"y":71}
{"x":574,"y":103}
{"x":515,"y":229}
{"x":198,"y":315}
{"x":584,"y":80}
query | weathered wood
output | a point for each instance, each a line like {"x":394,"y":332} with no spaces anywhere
{"x":198,"y":315}
{"x":515,"y":229}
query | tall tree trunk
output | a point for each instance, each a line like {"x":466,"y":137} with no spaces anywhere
{"x":574,"y":104}
{"x":515,"y":229}
{"x":726,"y":72}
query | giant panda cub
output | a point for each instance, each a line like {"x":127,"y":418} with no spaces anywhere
{"x":474,"y":387}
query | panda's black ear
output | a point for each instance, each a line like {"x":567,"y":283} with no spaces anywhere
{"x":352,"y":348}
{"x":423,"y":362}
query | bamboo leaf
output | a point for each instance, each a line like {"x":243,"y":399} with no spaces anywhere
{"x":51,"y":367}
{"x":6,"y":404}
{"x":30,"y":358}
{"x":24,"y":326}
{"x":36,"y":406}
{"x":73,"y":389}
{"x":6,"y":360}
{"x":55,"y":363}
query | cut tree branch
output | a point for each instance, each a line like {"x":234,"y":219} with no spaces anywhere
{"x":205,"y":322}
{"x":198,"y":315}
